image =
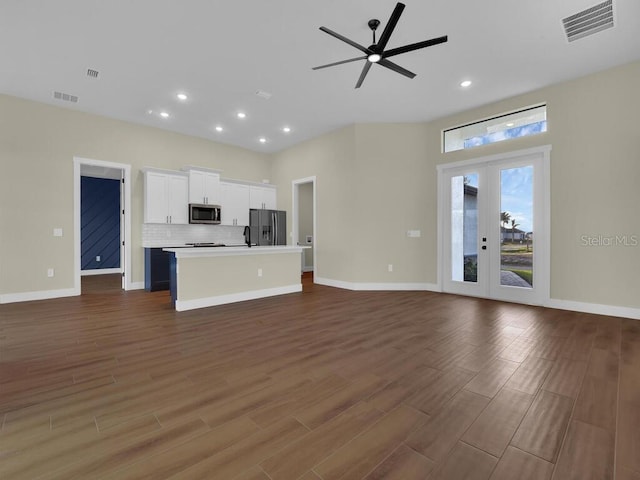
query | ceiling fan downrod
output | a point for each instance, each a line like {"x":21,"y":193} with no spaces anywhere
{"x":374,"y":23}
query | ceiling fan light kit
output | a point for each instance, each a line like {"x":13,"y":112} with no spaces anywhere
{"x":376,"y":52}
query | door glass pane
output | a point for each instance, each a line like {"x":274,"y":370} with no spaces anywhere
{"x":516,"y":227}
{"x":464,"y":228}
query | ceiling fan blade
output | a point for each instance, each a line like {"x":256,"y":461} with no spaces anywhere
{"x":389,"y":27}
{"x":414,"y":46}
{"x":346,"y":40}
{"x":396,"y":68}
{"x":339,"y":63}
{"x":365,"y":70}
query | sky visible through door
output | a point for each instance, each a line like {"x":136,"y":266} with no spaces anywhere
{"x":516,"y":226}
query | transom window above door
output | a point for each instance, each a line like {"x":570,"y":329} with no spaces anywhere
{"x":522,"y":123}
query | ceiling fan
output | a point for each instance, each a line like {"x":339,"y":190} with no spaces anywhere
{"x":376,"y":52}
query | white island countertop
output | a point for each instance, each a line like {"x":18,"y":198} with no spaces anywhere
{"x":193,"y":252}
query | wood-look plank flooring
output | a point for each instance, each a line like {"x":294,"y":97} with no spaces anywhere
{"x":323,"y":385}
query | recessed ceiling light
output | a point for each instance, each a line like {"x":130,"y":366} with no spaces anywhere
{"x":286,"y":129}
{"x":241,"y":115}
{"x":219,"y":128}
{"x":465,"y":84}
{"x":510,"y":124}
{"x":182,"y":96}
{"x":262,"y":140}
{"x":164,"y":114}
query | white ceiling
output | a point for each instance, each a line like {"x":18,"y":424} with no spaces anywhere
{"x":221,"y":53}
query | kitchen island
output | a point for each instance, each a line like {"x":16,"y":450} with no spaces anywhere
{"x":204,"y":277}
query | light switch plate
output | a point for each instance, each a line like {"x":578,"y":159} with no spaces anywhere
{"x":413,"y":233}
{"x":57,"y":232}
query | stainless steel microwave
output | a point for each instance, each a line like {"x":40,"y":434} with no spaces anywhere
{"x":199,"y":213}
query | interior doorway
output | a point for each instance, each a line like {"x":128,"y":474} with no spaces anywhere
{"x":304,"y":225}
{"x":121,"y":173}
{"x":494,"y":224}
{"x":100,"y":221}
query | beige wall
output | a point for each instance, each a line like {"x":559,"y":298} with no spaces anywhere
{"x":370,"y":191}
{"x":374,"y":182}
{"x":331,"y":158}
{"x":37,"y":146}
{"x":393,"y":182}
{"x":384,"y":179}
{"x":595,"y":178}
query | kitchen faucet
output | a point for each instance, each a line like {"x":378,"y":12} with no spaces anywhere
{"x":247,"y":236}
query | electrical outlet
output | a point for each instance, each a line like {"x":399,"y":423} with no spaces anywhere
{"x":97,"y":258}
{"x":259,"y":272}
{"x":413,"y":233}
{"x":390,"y":267}
{"x":57,"y":232}
{"x":50,"y":272}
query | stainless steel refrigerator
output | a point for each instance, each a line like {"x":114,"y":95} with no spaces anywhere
{"x":268,"y":227}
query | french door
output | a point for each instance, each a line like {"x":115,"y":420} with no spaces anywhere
{"x":494,"y":224}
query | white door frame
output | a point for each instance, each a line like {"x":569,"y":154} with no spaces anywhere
{"x":295,"y":184}
{"x":125,"y":257}
{"x":541,"y":155}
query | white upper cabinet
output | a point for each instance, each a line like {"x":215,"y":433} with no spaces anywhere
{"x":168,"y":193}
{"x":262,"y":197}
{"x":178,"y":199}
{"x":155,"y":198}
{"x":166,"y":197}
{"x":204,"y":187}
{"x":234,"y":203}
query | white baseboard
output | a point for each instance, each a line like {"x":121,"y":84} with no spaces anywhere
{"x":598,"y":309}
{"x":307,"y":269}
{"x":183,"y":305}
{"x":429,"y":287}
{"x":136,"y":286}
{"x":100,"y":271}
{"x":39,"y":295}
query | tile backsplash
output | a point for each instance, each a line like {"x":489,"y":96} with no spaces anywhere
{"x":160,"y":235}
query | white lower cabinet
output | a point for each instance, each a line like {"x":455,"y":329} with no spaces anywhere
{"x":166,"y":197}
{"x":234,"y":203}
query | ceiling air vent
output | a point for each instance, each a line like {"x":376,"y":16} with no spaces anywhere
{"x":589,"y":21}
{"x":65,"y":97}
{"x":92,"y":73}
{"x":263,"y":94}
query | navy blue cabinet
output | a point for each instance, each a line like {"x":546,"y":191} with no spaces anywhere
{"x":156,"y":269}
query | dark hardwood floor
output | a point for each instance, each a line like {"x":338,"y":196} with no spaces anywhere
{"x":325,"y":384}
